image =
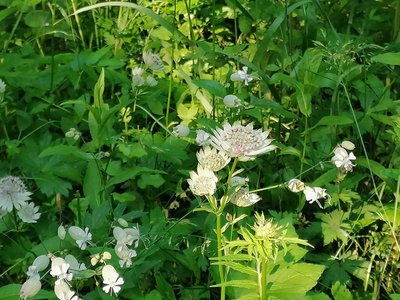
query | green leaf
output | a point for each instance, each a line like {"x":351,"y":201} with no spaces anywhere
{"x":333,"y":226}
{"x":214,"y":87}
{"x":37,"y":18}
{"x":124,"y":197}
{"x":146,"y":180}
{"x":237,"y":266}
{"x":333,"y":121}
{"x":164,"y":288}
{"x":153,"y":295}
{"x":132,"y":150}
{"x":340,"y":292}
{"x":11,"y":292}
{"x":99,"y":91}
{"x":389,"y":58}
{"x":66,"y":150}
{"x":92,"y":183}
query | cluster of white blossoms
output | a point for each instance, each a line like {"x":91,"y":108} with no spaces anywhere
{"x":312,"y":194}
{"x":235,"y":141}
{"x":14,"y":195}
{"x":126,"y":237}
{"x":153,"y":62}
{"x":343,"y":159}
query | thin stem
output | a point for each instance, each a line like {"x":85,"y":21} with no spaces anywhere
{"x":78,"y":23}
{"x":263,"y":281}
{"x":268,"y":188}
{"x":303,"y":155}
{"x":219,"y":248}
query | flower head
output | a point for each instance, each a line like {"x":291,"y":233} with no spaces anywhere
{"x":111,"y":280}
{"x":212,"y":159}
{"x":13,"y":193}
{"x":82,"y":237}
{"x":243,"y":198}
{"x":204,"y":182}
{"x":242,"y":75}
{"x":59,"y":269}
{"x":30,"y":288}
{"x":126,"y":236}
{"x":265,"y":229}
{"x":343,"y":160}
{"x":181,"y":130}
{"x":153,"y":61}
{"x":29,"y":213}
{"x":313,"y":194}
{"x":202,"y":137}
{"x":137,"y":72}
{"x":63,"y":292}
{"x":125,"y":254}
{"x":231,"y":101}
{"x":295,"y":185}
{"x":241,"y":141}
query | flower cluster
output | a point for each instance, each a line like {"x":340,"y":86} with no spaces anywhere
{"x":153,"y":62}
{"x":73,"y":134}
{"x":343,"y":159}
{"x":312,"y":194}
{"x":14,"y":195}
{"x":126,"y":237}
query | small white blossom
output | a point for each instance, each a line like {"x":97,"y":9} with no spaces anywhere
{"x":59,"y":269}
{"x":73,"y":133}
{"x":296,"y":185}
{"x":231,"y":101}
{"x":243,"y":198}
{"x":63,"y":292}
{"x":153,"y":61}
{"x":242,"y":75}
{"x":29,"y":213}
{"x":111,"y":280}
{"x":212,"y":159}
{"x":202,"y":137}
{"x":181,"y":130}
{"x":82,"y":237}
{"x":126,"y":236}
{"x":30,"y":288}
{"x":313,"y":194}
{"x":137,"y":72}
{"x":343,"y":160}
{"x":204,"y":182}
{"x":125,"y":254}
{"x":61,"y":232}
{"x":13,"y":193}
{"x":241,"y":141}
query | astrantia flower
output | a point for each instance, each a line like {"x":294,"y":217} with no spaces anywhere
{"x":204,"y":182}
{"x":111,"y":280}
{"x":231,"y":101}
{"x":181,"y":130}
{"x":137,"y":72}
{"x":212,"y":159}
{"x":265,"y":229}
{"x":29,"y":213}
{"x":242,"y":75}
{"x":202,"y":137}
{"x":295,"y":185}
{"x":13,"y":193}
{"x":343,"y":160}
{"x":59,"y":269}
{"x":241,"y":141}
{"x":243,"y":198}
{"x":63,"y":292}
{"x":313,"y":194}
{"x":82,"y":238}
{"x":153,"y":61}
{"x":30,"y":288}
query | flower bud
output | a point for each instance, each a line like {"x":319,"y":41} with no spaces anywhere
{"x":30,"y":288}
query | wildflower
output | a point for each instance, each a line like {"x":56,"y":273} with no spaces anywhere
{"x":241,"y":141}
{"x":137,"y":80}
{"x":74,"y":265}
{"x":125,"y":254}
{"x":126,"y":236}
{"x":174,"y":205}
{"x":73,"y":133}
{"x":347,"y":145}
{"x":2,"y":86}
{"x":29,"y":213}
{"x":181,"y":130}
{"x":204,"y":182}
{"x":59,"y":269}
{"x":243,"y":198}
{"x":13,"y":193}
{"x":295,"y":185}
{"x":82,"y":238}
{"x":63,"y":292}
{"x":313,"y":194}
{"x":111,"y":280}
{"x":202,"y":137}
{"x":153,"y":61}
{"x":39,"y":264}
{"x":342,"y":159}
{"x":61,"y":232}
{"x":100,"y":258}
{"x":237,"y":180}
{"x":242,"y":75}
{"x":212,"y":159}
{"x":231,"y":101}
{"x":30,"y":288}
{"x":265,"y":229}
{"x":151,"y":81}
{"x":137,"y":72}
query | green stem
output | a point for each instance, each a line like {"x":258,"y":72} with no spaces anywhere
{"x":219,"y":248}
{"x":263,"y":281}
{"x":303,"y":155}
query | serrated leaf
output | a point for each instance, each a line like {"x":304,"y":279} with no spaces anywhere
{"x":333,"y":226}
{"x":132,"y":150}
{"x":340,"y":292}
{"x":146,"y":180}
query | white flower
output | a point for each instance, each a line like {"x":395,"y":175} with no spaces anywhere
{"x":63,"y":292}
{"x":30,"y":288}
{"x":39,"y":264}
{"x":231,"y":101}
{"x":82,"y":238}
{"x":314,"y":193}
{"x":29,"y":213}
{"x":153,"y":61}
{"x":13,"y":193}
{"x":237,"y":180}
{"x":202,"y":137}
{"x":137,"y":80}
{"x":111,"y":280}
{"x":295,"y":185}
{"x":243,"y":198}
{"x":137,"y":72}
{"x":61,"y":232}
{"x":342,"y":159}
{"x":241,"y":141}
{"x":242,"y":75}
{"x":2,"y":86}
{"x":125,"y":254}
{"x":59,"y":269}
{"x":347,"y":145}
{"x":181,"y":130}
{"x":204,"y":182}
{"x":212,"y":159}
{"x":100,"y":258}
{"x":126,"y":236}
{"x":74,"y":265}
{"x":151,"y":81}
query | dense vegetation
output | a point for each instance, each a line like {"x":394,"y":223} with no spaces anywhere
{"x":237,"y":149}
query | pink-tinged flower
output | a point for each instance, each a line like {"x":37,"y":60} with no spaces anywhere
{"x":241,"y":141}
{"x":111,"y":280}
